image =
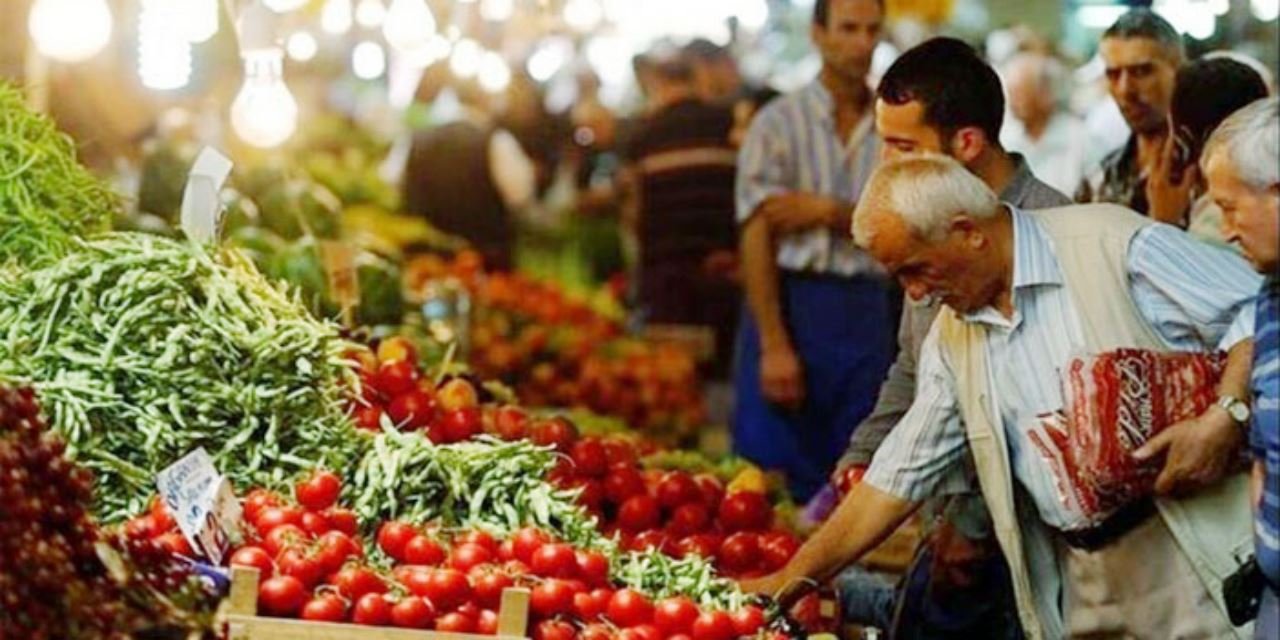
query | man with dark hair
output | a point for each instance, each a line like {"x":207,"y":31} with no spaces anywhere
{"x":715,"y":72}
{"x":1142,"y":52}
{"x":815,"y":344}
{"x":920,"y":108}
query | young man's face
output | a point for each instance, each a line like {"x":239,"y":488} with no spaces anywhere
{"x":1140,"y":77}
{"x":850,"y":37}
{"x":904,"y":132}
{"x":1250,"y":217}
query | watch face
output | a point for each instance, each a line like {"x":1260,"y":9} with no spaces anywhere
{"x":1239,"y":411}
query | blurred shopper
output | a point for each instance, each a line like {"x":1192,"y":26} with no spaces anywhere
{"x":1054,"y":142}
{"x":715,"y":72}
{"x":1142,"y":52}
{"x":681,"y":168}
{"x":469,"y":177}
{"x":1241,"y":162}
{"x":818,"y":336}
{"x":1205,"y":93}
{"x":957,"y":585}
{"x":1026,"y":292}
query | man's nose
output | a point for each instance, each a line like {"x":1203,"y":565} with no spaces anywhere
{"x":916,"y":290}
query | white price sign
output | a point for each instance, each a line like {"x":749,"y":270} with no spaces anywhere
{"x":202,"y":503}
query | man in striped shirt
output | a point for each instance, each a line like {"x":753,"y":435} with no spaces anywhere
{"x":1241,"y":163}
{"x":818,"y":336}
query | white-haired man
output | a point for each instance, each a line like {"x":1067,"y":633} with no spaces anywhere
{"x":1241,"y":163}
{"x":1026,"y":292}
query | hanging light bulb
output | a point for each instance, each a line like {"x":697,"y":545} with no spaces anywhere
{"x":264,"y":113}
{"x":70,"y":30}
{"x":301,"y":46}
{"x":284,"y":6}
{"x":583,"y":15}
{"x":497,"y":10}
{"x":465,"y":61}
{"x":494,"y":74}
{"x":1265,"y":10}
{"x":368,"y":60}
{"x":335,"y":17}
{"x":164,"y":52}
{"x":199,"y":20}
{"x":370,"y":13}
{"x":409,"y":25}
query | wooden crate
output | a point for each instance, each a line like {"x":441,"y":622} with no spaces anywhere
{"x":242,"y":622}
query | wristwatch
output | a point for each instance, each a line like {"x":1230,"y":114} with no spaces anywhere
{"x":1236,"y":408}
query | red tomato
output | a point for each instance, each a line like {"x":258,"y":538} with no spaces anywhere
{"x":507,"y":550}
{"x":527,"y":541}
{"x":416,"y":579}
{"x":593,"y":567}
{"x":448,"y":588}
{"x":272,"y":517}
{"x":372,"y":609}
{"x":619,"y":451}
{"x":281,"y":596}
{"x":479,"y":538}
{"x":589,"y":458}
{"x":689,"y":519}
{"x":393,"y":536}
{"x":680,"y":636}
{"x":254,"y":557}
{"x":368,"y":418}
{"x":776,"y":549}
{"x":652,"y":539}
{"x":739,"y":552}
{"x":160,"y":515}
{"x":297,"y":563}
{"x":677,"y":488}
{"x":630,"y":608}
{"x":554,"y":630}
{"x":597,"y":632}
{"x":314,"y":523}
{"x":342,"y":519}
{"x":319,"y":491}
{"x":623,"y":482}
{"x":641,"y":632}
{"x":459,"y":425}
{"x":412,"y":410}
{"x":422,"y":549}
{"x":675,"y":615}
{"x":141,"y":528}
{"x":325,"y":608}
{"x":468,"y":555}
{"x":256,"y":501}
{"x":487,"y":585}
{"x":585,"y":607}
{"x":176,"y":544}
{"x":639,"y":513}
{"x":333,"y":549}
{"x":487,"y":623}
{"x":413,"y":612}
{"x":555,"y":432}
{"x":456,"y":394}
{"x":705,"y":545}
{"x":511,"y":423}
{"x":552,"y":597}
{"x":554,"y":561}
{"x":745,"y":511}
{"x":590,"y":494}
{"x":455,"y":623}
{"x":711,"y":490}
{"x":283,"y":537}
{"x":748,"y":620}
{"x":515,"y":568}
{"x":356,"y":582}
{"x":395,"y":378}
{"x":714,"y":625}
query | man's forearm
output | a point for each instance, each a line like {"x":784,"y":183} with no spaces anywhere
{"x":1235,"y":376}
{"x":760,"y":280}
{"x":861,"y":522}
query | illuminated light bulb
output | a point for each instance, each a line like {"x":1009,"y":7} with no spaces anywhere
{"x":368,"y":60}
{"x":70,"y":30}
{"x":264,"y":113}
{"x":200,"y":20}
{"x":1265,"y":10}
{"x":409,"y":25}
{"x":301,"y":46}
{"x":497,"y":10}
{"x":1220,"y":7}
{"x":284,"y":6}
{"x":437,"y":48}
{"x":548,"y":58}
{"x":335,"y":17}
{"x":465,"y":61}
{"x":752,"y":14}
{"x":494,"y":74}
{"x":164,"y":52}
{"x":583,"y":15}
{"x":370,"y":13}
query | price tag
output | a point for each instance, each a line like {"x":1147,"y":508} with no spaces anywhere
{"x":201,"y":206}
{"x":339,"y":260}
{"x":203,"y":504}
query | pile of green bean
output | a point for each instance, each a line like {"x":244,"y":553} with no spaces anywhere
{"x":144,"y":348}
{"x":46,"y":197}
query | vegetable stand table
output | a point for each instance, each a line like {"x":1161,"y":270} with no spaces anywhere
{"x":243,"y":623}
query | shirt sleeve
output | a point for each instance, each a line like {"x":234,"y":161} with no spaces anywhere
{"x":928,"y":444}
{"x":1196,"y":296}
{"x":763,"y":163}
{"x":513,"y":172}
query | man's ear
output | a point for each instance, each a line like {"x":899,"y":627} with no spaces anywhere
{"x":969,"y":232}
{"x":967,"y":144}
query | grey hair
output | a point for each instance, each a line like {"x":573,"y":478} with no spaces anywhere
{"x":1250,"y":138}
{"x":1048,"y":71}
{"x":1145,"y":23}
{"x":927,"y":191}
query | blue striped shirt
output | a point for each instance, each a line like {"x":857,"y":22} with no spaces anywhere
{"x":1264,"y":437}
{"x":793,"y":145}
{"x":1196,"y":298}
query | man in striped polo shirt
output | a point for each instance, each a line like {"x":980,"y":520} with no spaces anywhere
{"x":1241,"y":165}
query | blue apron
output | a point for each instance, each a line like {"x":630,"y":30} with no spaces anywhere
{"x":843,"y":333}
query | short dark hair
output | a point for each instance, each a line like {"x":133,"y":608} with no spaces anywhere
{"x":1145,"y":23}
{"x":822,"y":9}
{"x":705,"y":50}
{"x":957,"y":88}
{"x":1204,"y":94}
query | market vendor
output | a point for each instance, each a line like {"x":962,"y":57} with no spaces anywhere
{"x":818,"y":334}
{"x":1026,"y":292}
